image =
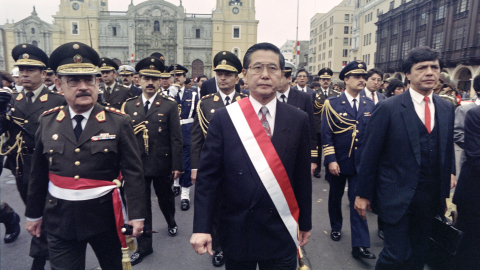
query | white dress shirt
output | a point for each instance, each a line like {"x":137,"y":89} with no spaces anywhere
{"x":223,"y":96}
{"x":369,"y":94}
{"x":150,"y":99}
{"x":350,"y":100}
{"x":180,"y":92}
{"x":51,"y":87}
{"x":86,"y":115}
{"x":302,"y":89}
{"x":272,"y":108}
{"x":324,"y":91}
{"x":419,"y":105}
{"x":279,"y":95}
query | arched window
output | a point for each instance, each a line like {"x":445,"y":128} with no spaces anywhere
{"x":35,"y":43}
{"x":33,"y":30}
{"x":156,"y":26}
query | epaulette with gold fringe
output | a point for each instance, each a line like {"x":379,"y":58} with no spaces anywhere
{"x":331,"y":115}
{"x":113,"y":110}
{"x":56,"y":109}
{"x":208,"y":96}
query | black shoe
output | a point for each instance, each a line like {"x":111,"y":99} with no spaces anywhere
{"x":317,"y":175}
{"x":38,"y":263}
{"x":381,"y":234}
{"x":176,"y":191}
{"x":218,"y":259}
{"x":362,"y":253}
{"x":172,"y":231}
{"x":12,"y":228}
{"x":185,"y":204}
{"x":336,"y":235}
{"x":137,"y":258}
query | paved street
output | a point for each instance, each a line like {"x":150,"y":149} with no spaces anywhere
{"x":176,"y":253}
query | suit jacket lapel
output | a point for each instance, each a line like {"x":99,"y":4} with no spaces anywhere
{"x":92,"y":127}
{"x":292,"y":97}
{"x":409,"y":114}
{"x":153,"y":107}
{"x":66,"y":127}
{"x":441,"y":121}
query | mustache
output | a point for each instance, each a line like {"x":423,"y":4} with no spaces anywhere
{"x":83,"y":94}
{"x":150,"y":86}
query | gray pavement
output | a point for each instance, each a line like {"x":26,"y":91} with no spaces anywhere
{"x":176,"y":253}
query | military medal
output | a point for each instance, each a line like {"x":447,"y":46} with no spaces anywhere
{"x":103,"y":137}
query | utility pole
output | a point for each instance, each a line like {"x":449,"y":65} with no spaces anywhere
{"x":296,"y":39}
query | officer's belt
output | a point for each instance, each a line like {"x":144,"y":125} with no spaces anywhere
{"x":186,"y":121}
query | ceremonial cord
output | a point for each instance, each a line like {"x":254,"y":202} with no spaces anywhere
{"x":139,"y":128}
{"x":350,"y":123}
{"x":18,"y":142}
{"x":202,"y":120}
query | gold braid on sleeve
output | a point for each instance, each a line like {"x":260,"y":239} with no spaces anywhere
{"x":141,"y":127}
{"x":350,"y":124}
{"x":202,"y":120}
{"x":18,"y":142}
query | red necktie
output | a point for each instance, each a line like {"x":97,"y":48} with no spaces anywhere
{"x":428,"y":119}
{"x":373,"y":97}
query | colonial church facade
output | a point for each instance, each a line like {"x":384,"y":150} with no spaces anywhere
{"x":150,"y":26}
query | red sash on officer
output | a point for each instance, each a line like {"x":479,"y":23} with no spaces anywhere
{"x":67,"y":188}
{"x":267,"y":163}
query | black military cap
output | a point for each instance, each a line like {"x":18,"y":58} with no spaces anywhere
{"x":74,"y":58}
{"x":50,"y":71}
{"x":178,"y":69}
{"x":355,"y":67}
{"x":325,"y":73}
{"x":158,"y":55}
{"x":29,"y":55}
{"x":227,"y":61}
{"x":150,"y":66}
{"x":107,"y":64}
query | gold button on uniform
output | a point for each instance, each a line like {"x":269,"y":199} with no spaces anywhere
{"x":355,"y":148}
{"x":356,"y":140}
{"x":77,"y":163}
{"x":105,"y":150}
{"x":146,"y":122}
{"x":26,"y":121}
{"x":76,"y":177}
{"x":51,"y":151}
{"x":77,"y":150}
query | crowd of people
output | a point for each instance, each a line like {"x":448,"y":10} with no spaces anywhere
{"x":87,"y":138}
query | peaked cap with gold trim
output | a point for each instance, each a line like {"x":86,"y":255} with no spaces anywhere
{"x":158,"y":55}
{"x":227,"y":61}
{"x":74,"y":58}
{"x":325,"y":73}
{"x":355,"y":67}
{"x":29,"y":55}
{"x":107,"y":64}
{"x":178,"y":69}
{"x":150,"y":66}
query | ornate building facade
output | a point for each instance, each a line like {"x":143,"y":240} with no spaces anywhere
{"x":151,"y":26}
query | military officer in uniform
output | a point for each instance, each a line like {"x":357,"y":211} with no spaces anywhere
{"x":187,"y":102}
{"x":113,"y":94}
{"x":80,"y":153}
{"x":22,"y":122}
{"x":126,"y":73}
{"x":322,"y":94}
{"x":344,"y":120}
{"x":300,"y":100}
{"x":227,"y":68}
{"x":157,"y":126}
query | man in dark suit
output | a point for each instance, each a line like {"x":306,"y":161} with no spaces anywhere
{"x":408,"y":163}
{"x":209,"y":87}
{"x":344,"y":121}
{"x":79,"y":153}
{"x":251,"y":228}
{"x":27,"y":107}
{"x":301,"y":101}
{"x":302,"y":80}
{"x":466,"y":193}
{"x":126,"y":74}
{"x":113,"y":94}
{"x":227,"y":74}
{"x":324,"y":92}
{"x":156,"y":116}
{"x":374,"y":81}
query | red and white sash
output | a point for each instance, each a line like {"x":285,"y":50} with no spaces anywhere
{"x":69,"y":189}
{"x":266,"y":161}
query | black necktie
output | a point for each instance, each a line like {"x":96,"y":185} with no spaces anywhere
{"x":146,"y":106}
{"x":168,"y":92}
{"x":355,"y":108}
{"x":227,"y":101}
{"x":109,"y":90}
{"x":179,"y":97}
{"x":283,"y":98}
{"x":326,"y":93}
{"x":78,"y":128}
{"x":29,"y":97}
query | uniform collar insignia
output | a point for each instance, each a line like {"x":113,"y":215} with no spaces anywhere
{"x":44,"y":98}
{"x":101,"y":116}
{"x":157,"y":103}
{"x":60,"y":116}
{"x":19,"y":97}
{"x":216,"y":98}
{"x":138,"y":103}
